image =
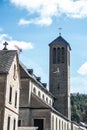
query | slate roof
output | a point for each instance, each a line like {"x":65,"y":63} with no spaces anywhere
{"x":60,"y":40}
{"x":33,"y":77}
{"x":6,"y":58}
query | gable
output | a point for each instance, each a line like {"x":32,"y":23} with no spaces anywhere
{"x":6,"y":58}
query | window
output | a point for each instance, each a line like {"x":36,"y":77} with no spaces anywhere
{"x":46,"y":99}
{"x":50,"y":102}
{"x":10,"y":95}
{"x":34,"y":90}
{"x":14,"y":76}
{"x":8,"y":124}
{"x":63,"y":55}
{"x":54,"y":55}
{"x":16,"y":99}
{"x":58,"y":55}
{"x":19,"y":122}
{"x":39,"y":94}
{"x":63,"y":51}
{"x":14,"y":125}
{"x":43,"y":96}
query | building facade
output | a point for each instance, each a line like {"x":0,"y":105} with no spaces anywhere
{"x":9,"y":90}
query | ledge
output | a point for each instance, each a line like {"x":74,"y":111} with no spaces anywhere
{"x":27,"y":128}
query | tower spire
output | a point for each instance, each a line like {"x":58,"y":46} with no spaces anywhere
{"x":60,"y":31}
{"x":59,"y":80}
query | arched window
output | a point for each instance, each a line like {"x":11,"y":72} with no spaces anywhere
{"x":58,"y":55}
{"x":63,"y":51}
{"x":54,"y":55}
{"x":46,"y":99}
{"x":14,"y":75}
{"x":50,"y":102}
{"x":15,"y":99}
{"x":63,"y":55}
{"x":39,"y":94}
{"x":43,"y":96}
{"x":34,"y":90}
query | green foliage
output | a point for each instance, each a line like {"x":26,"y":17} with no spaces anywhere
{"x":79,"y":107}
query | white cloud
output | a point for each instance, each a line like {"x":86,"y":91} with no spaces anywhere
{"x":37,"y":21}
{"x":24,"y":22}
{"x":83,"y":69}
{"x":46,"y":9}
{"x":11,"y":43}
{"x":79,"y":82}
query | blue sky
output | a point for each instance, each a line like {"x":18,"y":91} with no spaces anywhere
{"x":32,"y":25}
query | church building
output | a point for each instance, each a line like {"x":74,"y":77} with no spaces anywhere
{"x":25,"y":102}
{"x":48,"y":110}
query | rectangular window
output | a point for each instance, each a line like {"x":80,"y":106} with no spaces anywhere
{"x":16,"y":99}
{"x":8,"y":125}
{"x":58,"y":55}
{"x":54,"y":55}
{"x":10,"y":95}
{"x":14,"y":125}
{"x":19,"y":123}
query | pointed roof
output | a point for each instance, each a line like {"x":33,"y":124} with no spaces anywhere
{"x":26,"y":74}
{"x":60,"y":40}
{"x":6,"y":58}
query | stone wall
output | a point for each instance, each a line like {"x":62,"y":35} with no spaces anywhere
{"x":42,"y":114}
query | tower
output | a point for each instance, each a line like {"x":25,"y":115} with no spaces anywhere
{"x":59,"y":75}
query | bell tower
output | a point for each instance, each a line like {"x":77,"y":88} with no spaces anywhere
{"x":59,"y":75}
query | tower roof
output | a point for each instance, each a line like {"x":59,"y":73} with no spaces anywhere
{"x":6,"y":58}
{"x":60,"y":40}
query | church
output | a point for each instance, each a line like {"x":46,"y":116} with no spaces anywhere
{"x":25,"y":102}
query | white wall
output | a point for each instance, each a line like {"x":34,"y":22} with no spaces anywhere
{"x":41,"y":94}
{"x":10,"y":109}
{"x":59,"y":123}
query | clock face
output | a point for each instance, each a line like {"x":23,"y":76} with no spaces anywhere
{"x":56,"y":71}
{"x":59,"y":73}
